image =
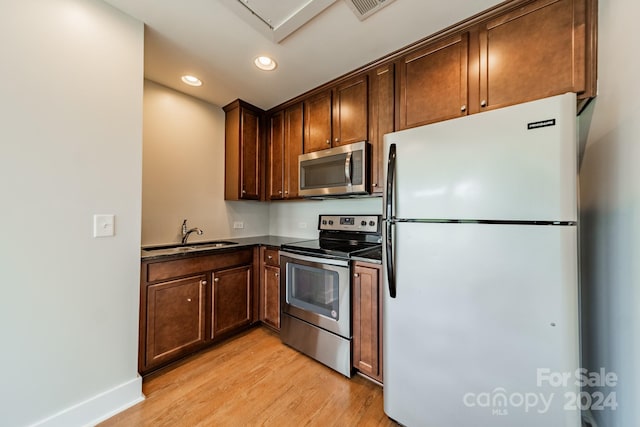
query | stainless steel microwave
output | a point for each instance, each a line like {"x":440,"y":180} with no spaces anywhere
{"x":340,"y":171}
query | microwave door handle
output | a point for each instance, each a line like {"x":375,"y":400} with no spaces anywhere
{"x":347,"y":168}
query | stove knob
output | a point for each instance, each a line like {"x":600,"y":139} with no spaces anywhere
{"x":363,"y":223}
{"x":330,"y":222}
{"x":324,"y":222}
{"x":372,"y":223}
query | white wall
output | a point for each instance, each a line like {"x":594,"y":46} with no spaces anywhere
{"x":183,"y":172}
{"x":70,"y":146}
{"x":610,"y":220}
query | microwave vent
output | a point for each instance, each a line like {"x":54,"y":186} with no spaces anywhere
{"x":365,"y":8}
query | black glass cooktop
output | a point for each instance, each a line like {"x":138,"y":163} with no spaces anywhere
{"x":338,"y":248}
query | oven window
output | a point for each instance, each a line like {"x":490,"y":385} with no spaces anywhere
{"x":313,"y":289}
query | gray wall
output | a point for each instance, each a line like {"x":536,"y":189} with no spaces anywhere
{"x":610,"y":215}
{"x":70,"y":147}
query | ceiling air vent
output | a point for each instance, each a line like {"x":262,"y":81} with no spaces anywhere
{"x":365,"y":8}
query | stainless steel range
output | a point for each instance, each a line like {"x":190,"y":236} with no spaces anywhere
{"x":316,"y":287}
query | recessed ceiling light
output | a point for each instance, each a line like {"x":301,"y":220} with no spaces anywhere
{"x":265,"y":63}
{"x":191,"y":80}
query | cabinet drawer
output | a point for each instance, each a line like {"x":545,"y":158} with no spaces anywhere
{"x":271,"y":257}
{"x":181,"y":267}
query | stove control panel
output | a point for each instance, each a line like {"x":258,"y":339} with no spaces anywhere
{"x":358,"y":223}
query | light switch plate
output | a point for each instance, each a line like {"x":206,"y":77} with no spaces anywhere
{"x":238,"y":224}
{"x":103,"y":225}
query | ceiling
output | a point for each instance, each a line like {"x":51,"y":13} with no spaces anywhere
{"x":217,"y":41}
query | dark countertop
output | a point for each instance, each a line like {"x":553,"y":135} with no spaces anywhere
{"x":241,"y":242}
{"x":373,"y":256}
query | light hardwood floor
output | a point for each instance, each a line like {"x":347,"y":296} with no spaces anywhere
{"x":254,"y":379}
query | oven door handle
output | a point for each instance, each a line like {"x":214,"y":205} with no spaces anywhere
{"x":313,"y":260}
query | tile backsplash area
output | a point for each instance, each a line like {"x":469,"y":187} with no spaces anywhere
{"x":300,"y":218}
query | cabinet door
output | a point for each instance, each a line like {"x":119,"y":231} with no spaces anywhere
{"x":317,"y":122}
{"x":175,"y":318}
{"x":271,"y":296}
{"x":250,"y":160}
{"x":534,"y":52}
{"x":433,"y":83}
{"x":231,"y":304}
{"x":350,"y":111}
{"x":381,"y":108}
{"x":367,"y":318}
{"x":293,"y":148}
{"x":276,"y":156}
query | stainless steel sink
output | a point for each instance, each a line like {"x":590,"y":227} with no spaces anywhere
{"x":190,"y":247}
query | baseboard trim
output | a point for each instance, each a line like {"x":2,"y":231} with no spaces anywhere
{"x":97,"y":408}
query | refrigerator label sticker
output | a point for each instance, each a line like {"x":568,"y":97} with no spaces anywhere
{"x":541,"y":124}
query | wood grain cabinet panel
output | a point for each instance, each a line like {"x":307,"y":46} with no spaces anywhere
{"x":275,"y":186}
{"x":243,"y":151}
{"x":433,"y":83}
{"x":533,"y":52}
{"x":317,"y":122}
{"x":175,"y":318}
{"x":381,"y":111}
{"x":367,"y":320}
{"x":350,"y":111}
{"x":232,"y":301}
{"x":270,"y":307}
{"x":270,"y":287}
{"x":187,"y":303}
{"x":285,"y":145}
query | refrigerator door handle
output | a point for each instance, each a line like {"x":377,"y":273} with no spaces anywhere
{"x":390,"y":220}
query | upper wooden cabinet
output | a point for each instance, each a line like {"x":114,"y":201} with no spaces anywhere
{"x":242,"y":151}
{"x":317,"y":122}
{"x":539,"y":49}
{"x":285,"y":145}
{"x":536,"y":51}
{"x":381,"y":117}
{"x":337,"y":116}
{"x":350,"y":108}
{"x":432,"y":82}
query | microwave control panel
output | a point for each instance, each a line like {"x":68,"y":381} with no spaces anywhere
{"x":359,"y":223}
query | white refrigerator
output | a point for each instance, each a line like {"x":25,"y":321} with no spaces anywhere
{"x":481,"y":310}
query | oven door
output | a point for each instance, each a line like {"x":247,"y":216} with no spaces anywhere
{"x":317,"y":290}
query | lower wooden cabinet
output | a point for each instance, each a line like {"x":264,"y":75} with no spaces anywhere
{"x":175,"y":318}
{"x":367,"y":319}
{"x":231,"y":304}
{"x":187,"y":303}
{"x":270,"y":288}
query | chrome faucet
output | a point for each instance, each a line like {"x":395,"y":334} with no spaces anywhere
{"x":186,"y":233}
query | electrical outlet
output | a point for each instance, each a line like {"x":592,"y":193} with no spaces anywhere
{"x":103,"y":225}
{"x":302,"y":225}
{"x":238,"y":224}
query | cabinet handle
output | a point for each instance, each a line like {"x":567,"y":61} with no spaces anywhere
{"x":217,"y":279}
{"x":337,"y":139}
{"x":203,"y":282}
{"x":269,"y":257}
{"x":356,"y":275}
{"x":483,"y":103}
{"x":244,"y":191}
{"x":463,"y":108}
{"x":374,"y":185}
{"x":277,"y":274}
{"x":188,"y":299}
{"x":328,"y":142}
{"x":286,"y":192}
{"x":279,"y":191}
